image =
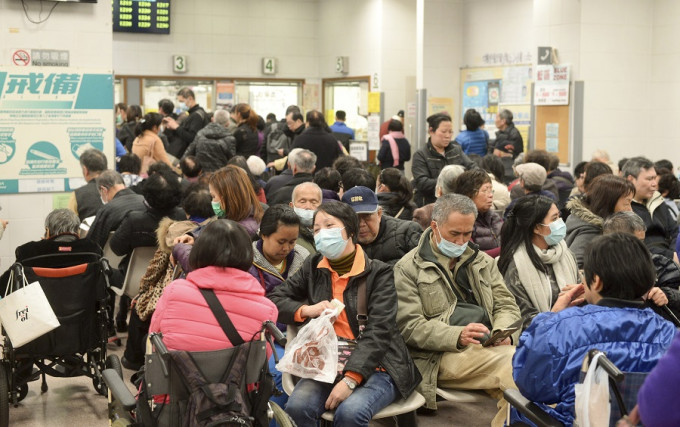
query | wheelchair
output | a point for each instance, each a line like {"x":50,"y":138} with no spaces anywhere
{"x":75,"y":285}
{"x":624,"y":387}
{"x":163,"y":392}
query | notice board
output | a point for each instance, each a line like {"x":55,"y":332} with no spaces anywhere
{"x":552,"y":130}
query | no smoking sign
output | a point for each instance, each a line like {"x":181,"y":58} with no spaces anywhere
{"x":21,"y":58}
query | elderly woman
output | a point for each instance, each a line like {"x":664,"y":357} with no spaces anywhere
{"x":379,"y":369}
{"x":534,"y":259}
{"x":606,"y":195}
{"x":476,"y":184}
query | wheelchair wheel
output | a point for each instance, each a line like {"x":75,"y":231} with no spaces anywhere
{"x":280,"y":416}
{"x":113,"y":362}
{"x":23,"y":391}
{"x":4,"y":396}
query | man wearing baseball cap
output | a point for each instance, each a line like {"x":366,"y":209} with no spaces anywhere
{"x":381,"y":236}
{"x":532,"y":176}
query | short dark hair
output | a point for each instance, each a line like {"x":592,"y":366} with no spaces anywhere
{"x":623,"y":264}
{"x":328,"y":179}
{"x":297,"y":115}
{"x":395,"y":126}
{"x":130,"y":162}
{"x":472,"y":120}
{"x":344,"y":213}
{"x":593,"y":170}
{"x":293,"y":109}
{"x":663,"y":164}
{"x":166,"y":106}
{"x":197,"y":200}
{"x":162,"y":190}
{"x":669,"y":183}
{"x":493,"y":164}
{"x":579,"y":169}
{"x":271,"y":116}
{"x":554,"y":161}
{"x":603,"y":193}
{"x":398,"y":184}
{"x":134,"y":113}
{"x":160,"y":167}
{"x":340,"y":115}
{"x":223,"y":243}
{"x":315,"y":119}
{"x":358,"y":177}
{"x":185,"y":92}
{"x":344,"y":163}
{"x":94,"y":160}
{"x":469,"y":182}
{"x":437,"y":119}
{"x":276,"y":216}
{"x":190,"y":166}
{"x":622,"y":163}
{"x":540,"y":157}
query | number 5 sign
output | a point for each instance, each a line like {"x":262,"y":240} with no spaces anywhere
{"x":179,"y":63}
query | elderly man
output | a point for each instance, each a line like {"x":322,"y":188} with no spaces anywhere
{"x":381,"y":237}
{"x":451,"y":298}
{"x":305,"y":199}
{"x":85,"y":201}
{"x":302,"y":165}
{"x":214,"y":145}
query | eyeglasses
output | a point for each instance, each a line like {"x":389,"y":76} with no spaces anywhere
{"x":486,"y":191}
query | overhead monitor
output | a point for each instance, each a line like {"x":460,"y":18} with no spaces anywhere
{"x":134,"y":16}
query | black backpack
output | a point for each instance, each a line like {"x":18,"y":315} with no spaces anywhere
{"x":276,"y":139}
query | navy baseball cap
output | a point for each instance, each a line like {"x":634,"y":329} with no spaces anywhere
{"x":361,"y":199}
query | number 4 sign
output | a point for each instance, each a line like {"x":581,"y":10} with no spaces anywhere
{"x":179,"y":63}
{"x":268,"y":65}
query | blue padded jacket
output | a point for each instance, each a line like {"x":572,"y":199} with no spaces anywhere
{"x":547,"y":363}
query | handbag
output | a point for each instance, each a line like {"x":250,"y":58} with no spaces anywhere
{"x":26,"y":313}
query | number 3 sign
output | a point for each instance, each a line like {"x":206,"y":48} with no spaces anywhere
{"x":179,"y":63}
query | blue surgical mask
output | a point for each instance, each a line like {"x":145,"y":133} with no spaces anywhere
{"x":217,"y":208}
{"x":306,"y":216}
{"x":450,"y":249}
{"x":558,"y":229}
{"x":329,"y":242}
{"x":183,"y":107}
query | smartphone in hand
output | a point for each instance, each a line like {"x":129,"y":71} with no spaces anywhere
{"x":501,"y":334}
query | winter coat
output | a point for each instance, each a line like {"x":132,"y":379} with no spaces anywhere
{"x":393,"y":204}
{"x":385,"y":153}
{"x":321,"y":143}
{"x":277,"y":182}
{"x":662,"y":230}
{"x":239,"y":293}
{"x":582,"y":227}
{"x":509,"y":141}
{"x":427,"y":163}
{"x":657,"y":398}
{"x":427,"y":301}
{"x":185,"y":134}
{"x":306,"y":239}
{"x":473,"y":142}
{"x":246,"y":141}
{"x":550,"y":353}
{"x":380,"y":343}
{"x":285,"y":193}
{"x":110,"y":216}
{"x":396,"y":237}
{"x":213,"y":147}
{"x":328,"y":195}
{"x":148,"y":144}
{"x":487,"y":231}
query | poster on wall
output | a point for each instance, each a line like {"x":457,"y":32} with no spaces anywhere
{"x":482,"y":96}
{"x":552,"y":85}
{"x":48,"y":118}
{"x":225,"y":95}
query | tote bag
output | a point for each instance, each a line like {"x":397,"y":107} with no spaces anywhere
{"x":26,"y":314}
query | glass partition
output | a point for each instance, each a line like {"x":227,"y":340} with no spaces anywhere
{"x":268,"y":97}
{"x":155,"y":90}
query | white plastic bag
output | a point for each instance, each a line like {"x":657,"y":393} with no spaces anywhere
{"x":592,"y":406}
{"x":313,"y":353}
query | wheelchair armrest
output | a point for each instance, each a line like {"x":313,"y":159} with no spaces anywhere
{"x":119,"y":390}
{"x":530,"y":409}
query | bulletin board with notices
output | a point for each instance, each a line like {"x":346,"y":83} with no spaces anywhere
{"x":134,"y":16}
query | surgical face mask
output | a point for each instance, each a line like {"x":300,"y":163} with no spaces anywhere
{"x":183,"y":107}
{"x":450,"y":249}
{"x":103,"y":201}
{"x":119,"y":119}
{"x":306,"y":216}
{"x":329,"y":242}
{"x":558,"y":229}
{"x":217,"y":208}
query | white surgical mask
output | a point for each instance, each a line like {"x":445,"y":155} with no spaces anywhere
{"x":306,"y":216}
{"x":329,"y":242}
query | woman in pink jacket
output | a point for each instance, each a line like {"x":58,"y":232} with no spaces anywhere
{"x":220,"y":260}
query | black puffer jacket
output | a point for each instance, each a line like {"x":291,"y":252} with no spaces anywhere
{"x":427,"y":163}
{"x":396,"y":237}
{"x":213,"y":147}
{"x":247,"y":141}
{"x":381,"y":343}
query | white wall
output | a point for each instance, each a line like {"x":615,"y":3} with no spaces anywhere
{"x":85,"y":31}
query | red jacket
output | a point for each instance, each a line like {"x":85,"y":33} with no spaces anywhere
{"x":186,"y":321}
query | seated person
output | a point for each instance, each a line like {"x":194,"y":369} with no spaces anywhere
{"x":379,"y":369}
{"x":532,"y":176}
{"x":395,"y":194}
{"x":382,"y":237}
{"x":306,"y":198}
{"x":451,"y":295}
{"x":547,"y":363}
{"x":220,"y":260}
{"x":129,"y":166}
{"x":446,"y":183}
{"x":330,"y":181}
{"x":535,"y":261}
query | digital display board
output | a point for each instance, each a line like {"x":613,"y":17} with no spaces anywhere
{"x":135,"y":16}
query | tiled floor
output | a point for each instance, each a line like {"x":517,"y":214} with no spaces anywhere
{"x":73,"y":402}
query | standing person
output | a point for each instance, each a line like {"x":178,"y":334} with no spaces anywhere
{"x":166,"y":108}
{"x":395,"y":149}
{"x":339,"y":126}
{"x":431,"y":159}
{"x":383,"y":127}
{"x":246,"y":133}
{"x":534,"y":260}
{"x":127,"y":130}
{"x":147,"y":144}
{"x":395,"y":194}
{"x":86,"y":200}
{"x":509,"y":142}
{"x":214,"y":145}
{"x":318,"y":141}
{"x":185,"y":132}
{"x":473,"y":139}
{"x":336,"y":272}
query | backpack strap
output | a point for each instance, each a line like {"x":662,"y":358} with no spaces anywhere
{"x":222,"y":317}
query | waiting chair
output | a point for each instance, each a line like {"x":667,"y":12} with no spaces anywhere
{"x":113,"y":259}
{"x":139,"y":262}
{"x":403,"y":409}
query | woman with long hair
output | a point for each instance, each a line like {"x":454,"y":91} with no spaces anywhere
{"x":241,"y":162}
{"x":535,"y":261}
{"x":235,"y":199}
{"x":147,"y":144}
{"x":246,"y":132}
{"x":395,"y":194}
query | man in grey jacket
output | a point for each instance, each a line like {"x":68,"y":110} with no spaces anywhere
{"x":214,"y":145}
{"x":451,"y":298}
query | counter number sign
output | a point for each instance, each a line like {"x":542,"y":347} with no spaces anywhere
{"x":179,"y":63}
{"x":268,"y":65}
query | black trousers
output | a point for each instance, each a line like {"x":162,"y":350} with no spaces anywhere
{"x":136,"y":342}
